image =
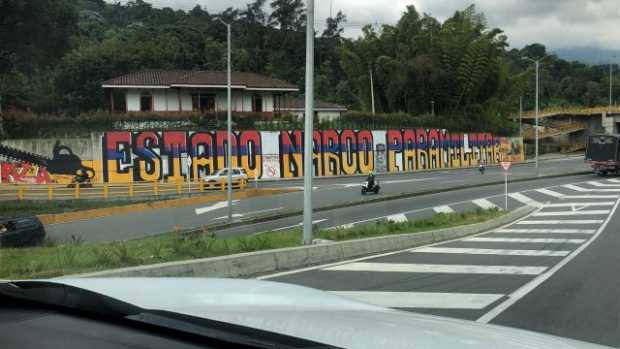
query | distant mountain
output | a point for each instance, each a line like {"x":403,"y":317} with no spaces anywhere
{"x":588,"y":55}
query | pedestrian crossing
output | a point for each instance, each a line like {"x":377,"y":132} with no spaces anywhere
{"x":470,"y":276}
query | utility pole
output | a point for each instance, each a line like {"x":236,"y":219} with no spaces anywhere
{"x":611,"y":84}
{"x":521,"y":116}
{"x":536,"y":145}
{"x":433,"y":108}
{"x":309,"y":127}
{"x":229,"y":128}
{"x":372,"y":91}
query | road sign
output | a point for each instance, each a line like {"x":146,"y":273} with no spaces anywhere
{"x":506,"y":165}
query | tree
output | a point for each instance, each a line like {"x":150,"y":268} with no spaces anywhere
{"x":288,"y":14}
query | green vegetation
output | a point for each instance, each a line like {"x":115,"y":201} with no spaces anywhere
{"x":77,"y":257}
{"x":30,"y":208}
{"x":55,"y":54}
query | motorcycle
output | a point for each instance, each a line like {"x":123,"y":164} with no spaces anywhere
{"x":374,"y":189}
{"x":481,"y":169}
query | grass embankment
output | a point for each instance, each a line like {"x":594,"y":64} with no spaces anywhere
{"x":76,"y":257}
{"x":13,"y":209}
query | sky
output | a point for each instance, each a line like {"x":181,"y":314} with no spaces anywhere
{"x":554,"y":23}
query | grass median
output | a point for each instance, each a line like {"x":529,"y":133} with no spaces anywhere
{"x":76,"y":257}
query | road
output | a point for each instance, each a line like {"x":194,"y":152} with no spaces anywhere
{"x":327,"y":192}
{"x":553,"y":271}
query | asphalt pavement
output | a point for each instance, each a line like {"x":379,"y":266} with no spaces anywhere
{"x":327,"y":192}
{"x":553,"y":271}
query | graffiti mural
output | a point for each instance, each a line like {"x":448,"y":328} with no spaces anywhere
{"x":175,"y":155}
{"x":24,"y":167}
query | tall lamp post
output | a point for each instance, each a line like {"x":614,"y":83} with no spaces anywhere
{"x":611,"y":84}
{"x":309,"y":127}
{"x":537,"y":64}
{"x":229,"y":128}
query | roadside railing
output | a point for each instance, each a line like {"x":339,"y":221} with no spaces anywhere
{"x":112,"y":190}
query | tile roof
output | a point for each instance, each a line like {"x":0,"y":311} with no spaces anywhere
{"x":197,"y":77}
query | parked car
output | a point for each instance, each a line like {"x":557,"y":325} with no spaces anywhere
{"x":238,"y":173}
{"x":21,"y":232}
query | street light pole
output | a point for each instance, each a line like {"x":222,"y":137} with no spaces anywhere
{"x":536,"y":145}
{"x":229,"y":127}
{"x":309,"y":127}
{"x":521,"y":116}
{"x":433,"y":108}
{"x":372,"y":91}
{"x":611,"y":72}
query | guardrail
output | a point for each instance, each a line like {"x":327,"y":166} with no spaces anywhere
{"x":568,"y":110}
{"x":111,"y":190}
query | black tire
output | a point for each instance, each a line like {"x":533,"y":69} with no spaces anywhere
{"x":602,"y":173}
{"x":376,"y":190}
{"x":363,"y":191}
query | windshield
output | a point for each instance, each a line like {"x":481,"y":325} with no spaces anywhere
{"x":427,"y":157}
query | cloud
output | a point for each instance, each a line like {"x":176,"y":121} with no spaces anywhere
{"x":554,"y":23}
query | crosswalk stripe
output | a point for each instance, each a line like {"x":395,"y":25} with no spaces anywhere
{"x":428,"y":300}
{"x":438,"y":268}
{"x":443,"y":209}
{"x":599,"y":184}
{"x":397,"y":218}
{"x":546,"y":231}
{"x":581,"y":189}
{"x":582,"y":221}
{"x":550,"y":192}
{"x":528,"y":240}
{"x":614,"y":180}
{"x":524,"y":199}
{"x":575,"y":187}
{"x":570,"y":213}
{"x":484,"y":204}
{"x":576,"y":197}
{"x":491,"y":251}
{"x":580,"y":204}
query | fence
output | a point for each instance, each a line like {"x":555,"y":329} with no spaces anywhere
{"x":11,"y":192}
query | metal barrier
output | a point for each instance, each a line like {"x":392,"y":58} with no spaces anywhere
{"x":11,"y":192}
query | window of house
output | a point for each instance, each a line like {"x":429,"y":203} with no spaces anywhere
{"x":257,"y":103}
{"x":203,"y":102}
{"x":146,"y":101}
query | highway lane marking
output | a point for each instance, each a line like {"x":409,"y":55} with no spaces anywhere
{"x":491,"y":251}
{"x":216,"y":206}
{"x":551,"y":193}
{"x":525,"y":200}
{"x":576,"y":197}
{"x":438,"y":268}
{"x":530,"y":286}
{"x":581,"y":189}
{"x":443,"y":209}
{"x":583,"y":221}
{"x":428,"y":300}
{"x":234,"y":215}
{"x":570,"y":213}
{"x":527,"y":240}
{"x":546,"y":231}
{"x":397,"y":218}
{"x":299,"y":225}
{"x":599,"y":184}
{"x":484,"y":204}
{"x":584,"y":204}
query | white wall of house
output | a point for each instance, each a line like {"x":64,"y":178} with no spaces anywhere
{"x":323,"y":115}
{"x":133,"y":100}
{"x":159,"y":100}
{"x":172,"y":99}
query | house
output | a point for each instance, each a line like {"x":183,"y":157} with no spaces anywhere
{"x":324,"y":111}
{"x":196,"y":91}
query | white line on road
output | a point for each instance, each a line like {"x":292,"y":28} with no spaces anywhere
{"x":582,"y":221}
{"x":397,"y":218}
{"x":429,"y":300}
{"x":550,"y":192}
{"x":299,"y":225}
{"x":530,"y":286}
{"x":578,"y":204}
{"x":216,"y":206}
{"x":484,"y":204}
{"x":235,"y":215}
{"x":528,"y":240}
{"x":546,"y":231}
{"x":491,"y":251}
{"x":576,"y":188}
{"x":570,"y":213}
{"x":443,"y":209}
{"x":438,"y":268}
{"x":599,"y":184}
{"x":576,"y":197}
{"x":525,"y":200}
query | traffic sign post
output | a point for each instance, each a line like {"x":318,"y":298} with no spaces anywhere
{"x":506,"y":167}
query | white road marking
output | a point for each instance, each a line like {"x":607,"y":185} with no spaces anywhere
{"x":298,"y":225}
{"x":583,"y":221}
{"x":235,"y":215}
{"x":614,"y":180}
{"x":550,"y":192}
{"x":216,"y":206}
{"x":584,"y":204}
{"x":239,"y":215}
{"x":484,"y":204}
{"x":570,"y":213}
{"x":576,"y":188}
{"x":344,"y":226}
{"x":397,"y":218}
{"x":546,"y":231}
{"x":443,"y":209}
{"x":430,"y":300}
{"x":528,"y":240}
{"x":530,"y":286}
{"x":525,"y":200}
{"x":599,"y":184}
{"x":491,"y":251}
{"x":438,"y":268}
{"x":576,"y":197}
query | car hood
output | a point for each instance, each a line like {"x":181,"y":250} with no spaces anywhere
{"x":312,"y":314}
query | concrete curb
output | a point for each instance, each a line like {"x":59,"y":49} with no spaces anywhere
{"x":255,"y":263}
{"x":109,"y":211}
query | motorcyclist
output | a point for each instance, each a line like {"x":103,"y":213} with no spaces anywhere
{"x":81,"y":177}
{"x":371,"y":180}
{"x":481,"y":167}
